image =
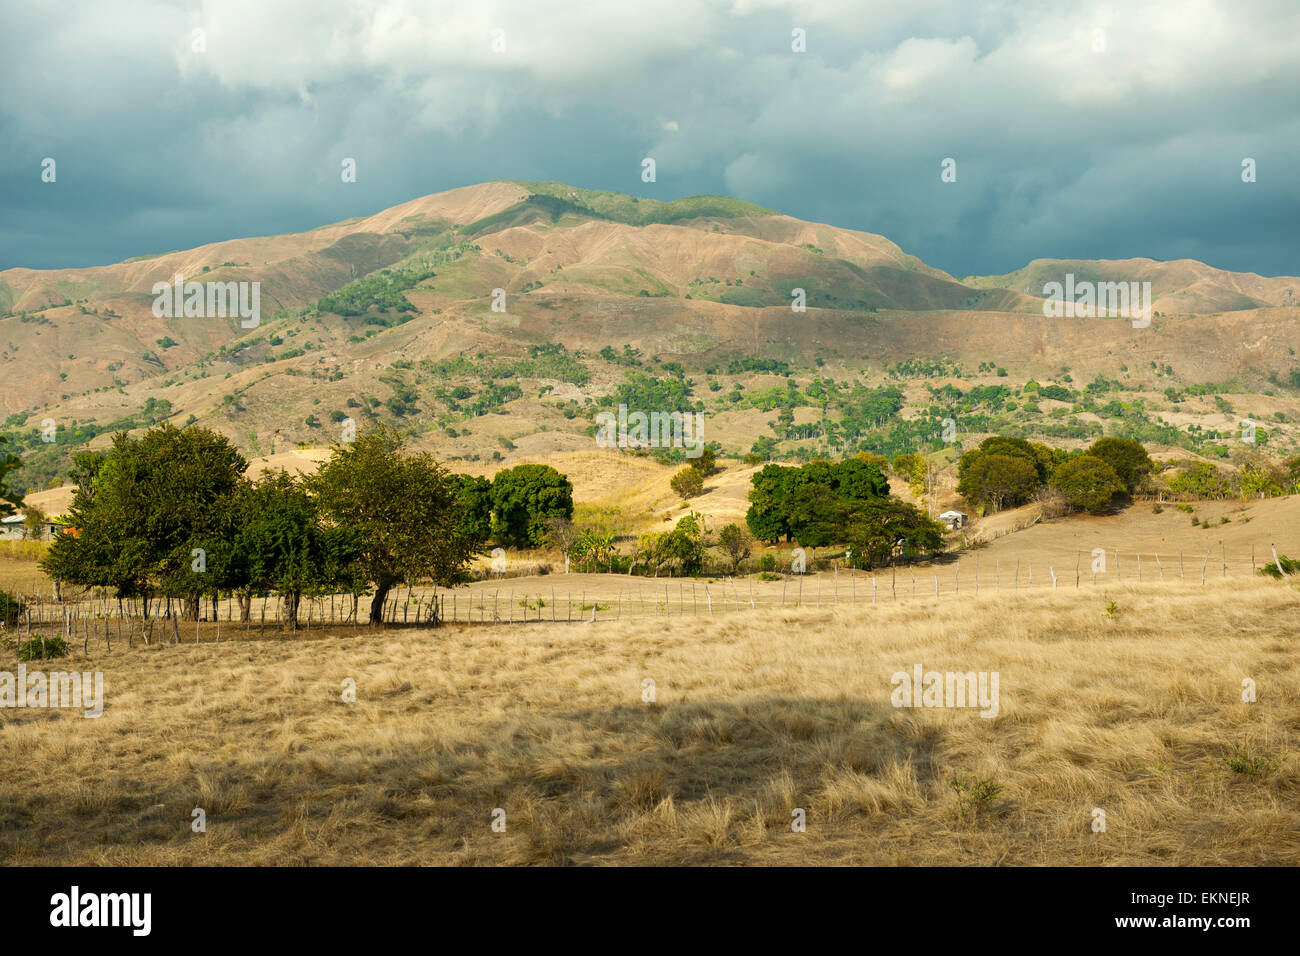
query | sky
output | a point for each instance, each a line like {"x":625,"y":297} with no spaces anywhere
{"x":1077,"y":130}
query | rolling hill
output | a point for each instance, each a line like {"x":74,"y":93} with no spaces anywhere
{"x":391,"y":317}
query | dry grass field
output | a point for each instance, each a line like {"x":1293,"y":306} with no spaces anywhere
{"x":1136,"y":710}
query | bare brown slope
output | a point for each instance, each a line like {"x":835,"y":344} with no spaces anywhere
{"x":1178,"y":286}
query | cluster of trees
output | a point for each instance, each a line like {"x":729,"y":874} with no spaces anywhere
{"x":1253,"y":479}
{"x":172,"y":514}
{"x":1005,"y":472}
{"x":823,"y":503}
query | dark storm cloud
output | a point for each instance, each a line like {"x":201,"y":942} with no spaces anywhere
{"x":1061,"y":149}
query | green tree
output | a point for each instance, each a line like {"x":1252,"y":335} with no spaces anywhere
{"x":1087,"y":482}
{"x":877,"y":530}
{"x":736,"y":542}
{"x":687,"y":483}
{"x":766,"y":515}
{"x":707,"y":463}
{"x":474,"y":493}
{"x":523,"y":498}
{"x":687,"y":543}
{"x":147,"y":513}
{"x":857,"y":479}
{"x":282,"y":545}
{"x":816,"y":515}
{"x":996,"y":480}
{"x":9,"y":501}
{"x":402,"y":509}
{"x":1201,"y":480}
{"x":1128,"y":459}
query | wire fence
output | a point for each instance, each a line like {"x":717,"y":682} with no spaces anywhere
{"x":98,"y":618}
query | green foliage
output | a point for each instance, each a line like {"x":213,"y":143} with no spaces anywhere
{"x":682,"y":549}
{"x":43,"y":648}
{"x":1240,"y":760}
{"x":11,"y":609}
{"x":810,"y":502}
{"x":974,"y":796}
{"x":558,"y":199}
{"x":1201,"y":480}
{"x":707,"y":462}
{"x":1087,"y":482}
{"x":629,"y":358}
{"x":402,"y":510}
{"x":384,"y":290}
{"x":474,"y":494}
{"x":1128,"y":459}
{"x":282,"y":544}
{"x":687,"y":483}
{"x":9,"y":501}
{"x":1289,"y":566}
{"x":143,"y":508}
{"x":645,"y":393}
{"x":997,"y":480}
{"x":882,"y":529}
{"x":523,"y":498}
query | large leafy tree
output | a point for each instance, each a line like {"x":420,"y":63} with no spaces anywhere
{"x":524,"y":498}
{"x":997,"y":480}
{"x":1129,"y":460}
{"x":877,"y":530}
{"x":1087,"y":482}
{"x":403,"y":511}
{"x":766,"y":515}
{"x":147,"y":513}
{"x":474,"y":493}
{"x":858,"y":479}
{"x":281,"y":545}
{"x":816,"y":514}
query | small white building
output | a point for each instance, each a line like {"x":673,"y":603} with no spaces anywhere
{"x":956,"y":520}
{"x":12,"y":528}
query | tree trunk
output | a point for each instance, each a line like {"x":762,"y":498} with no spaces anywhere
{"x":377,"y":603}
{"x":245,"y":606}
{"x":291,"y":600}
{"x":190,"y":610}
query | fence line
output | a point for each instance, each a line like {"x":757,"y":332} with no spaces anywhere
{"x":101,"y":618}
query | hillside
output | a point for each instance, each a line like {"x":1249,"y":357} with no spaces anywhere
{"x":391,"y":318}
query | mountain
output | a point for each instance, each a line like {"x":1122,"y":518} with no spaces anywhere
{"x":390,"y":317}
{"x":1181,"y":286}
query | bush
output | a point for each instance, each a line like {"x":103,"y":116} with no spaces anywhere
{"x":1289,"y":565}
{"x":43,"y":648}
{"x":767,"y":563}
{"x":687,"y":483}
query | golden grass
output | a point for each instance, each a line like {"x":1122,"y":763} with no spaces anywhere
{"x":757,"y":714}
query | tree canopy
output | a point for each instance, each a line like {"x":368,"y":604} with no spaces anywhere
{"x":402,"y":510}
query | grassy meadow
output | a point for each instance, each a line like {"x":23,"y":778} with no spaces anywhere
{"x":1125,"y":698}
